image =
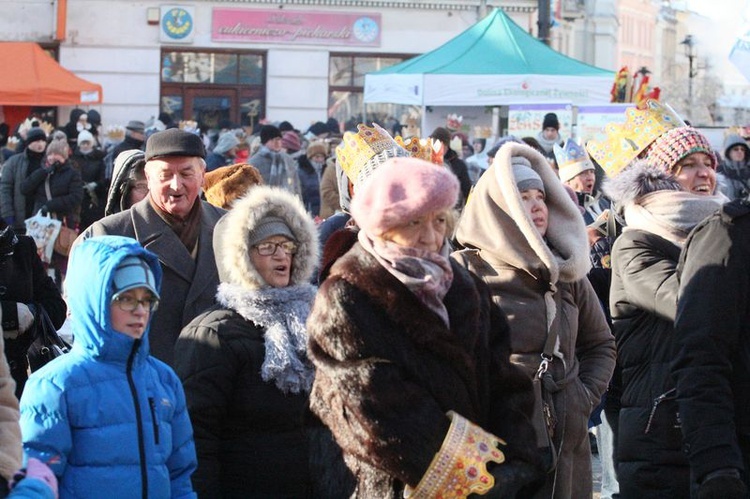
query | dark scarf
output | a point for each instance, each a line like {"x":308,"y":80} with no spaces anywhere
{"x":186,"y":229}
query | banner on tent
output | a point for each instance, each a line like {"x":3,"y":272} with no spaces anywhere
{"x":592,"y":120}
{"x":525,"y":120}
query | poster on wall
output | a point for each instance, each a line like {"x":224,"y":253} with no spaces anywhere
{"x":177,"y":24}
{"x":592,"y":120}
{"x":525,"y":120}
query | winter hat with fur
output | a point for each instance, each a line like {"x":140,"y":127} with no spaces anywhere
{"x":676,"y":144}
{"x":637,"y":180}
{"x":226,"y":184}
{"x":401,"y":190}
{"x":232,"y":243}
{"x":316,"y":148}
{"x":59,"y":147}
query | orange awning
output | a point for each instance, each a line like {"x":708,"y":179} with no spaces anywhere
{"x":30,"y":77}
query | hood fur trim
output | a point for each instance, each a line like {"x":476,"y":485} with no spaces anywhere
{"x":231,"y":244}
{"x":637,"y":180}
{"x":495,"y":221}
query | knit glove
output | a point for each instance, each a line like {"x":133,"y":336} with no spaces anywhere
{"x":36,"y":470}
{"x":722,"y":484}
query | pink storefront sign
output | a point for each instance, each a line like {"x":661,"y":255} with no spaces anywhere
{"x":298,"y":27}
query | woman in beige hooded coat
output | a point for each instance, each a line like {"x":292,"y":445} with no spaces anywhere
{"x":539,"y":280}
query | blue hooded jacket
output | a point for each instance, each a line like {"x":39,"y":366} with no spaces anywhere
{"x":108,"y":419}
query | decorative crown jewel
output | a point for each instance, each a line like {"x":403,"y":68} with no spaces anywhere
{"x":454,"y":121}
{"x":570,"y":153}
{"x":424,"y":149}
{"x":626,"y":141}
{"x":359,"y":154}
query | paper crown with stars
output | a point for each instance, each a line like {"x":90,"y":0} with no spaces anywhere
{"x":626,"y":141}
{"x":421,"y":148}
{"x":572,"y":159}
{"x":359,"y":154}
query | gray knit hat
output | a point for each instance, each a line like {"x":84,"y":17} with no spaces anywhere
{"x":133,"y":272}
{"x":526,"y":177}
{"x":268,"y":227}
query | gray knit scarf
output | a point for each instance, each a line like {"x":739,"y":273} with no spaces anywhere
{"x":282,"y":313}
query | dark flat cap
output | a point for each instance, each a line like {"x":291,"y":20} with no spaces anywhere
{"x":174,"y":142}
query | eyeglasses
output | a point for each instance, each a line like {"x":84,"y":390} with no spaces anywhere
{"x":268,"y":249}
{"x":127,"y":303}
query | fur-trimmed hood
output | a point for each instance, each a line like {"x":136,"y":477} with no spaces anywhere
{"x":495,"y":221}
{"x":232,"y":247}
{"x":637,"y":180}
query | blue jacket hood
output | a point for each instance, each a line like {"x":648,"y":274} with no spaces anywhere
{"x":88,"y":290}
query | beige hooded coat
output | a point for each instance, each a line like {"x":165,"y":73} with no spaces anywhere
{"x":539,"y":287}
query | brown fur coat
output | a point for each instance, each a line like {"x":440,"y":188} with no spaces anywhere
{"x":388,"y":369}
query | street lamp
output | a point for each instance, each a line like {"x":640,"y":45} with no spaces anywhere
{"x":689,"y":44}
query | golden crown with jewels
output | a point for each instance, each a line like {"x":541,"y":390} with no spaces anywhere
{"x":626,"y":141}
{"x":359,"y":154}
{"x":421,"y":148}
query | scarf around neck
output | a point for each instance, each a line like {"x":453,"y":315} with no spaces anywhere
{"x":670,"y":214}
{"x":187,"y":229}
{"x":427,"y":274}
{"x":282,"y":313}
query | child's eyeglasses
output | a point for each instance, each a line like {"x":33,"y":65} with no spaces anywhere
{"x":129,"y":304}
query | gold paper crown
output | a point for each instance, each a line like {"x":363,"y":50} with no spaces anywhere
{"x":359,"y":154}
{"x":626,"y":141}
{"x":421,"y":148}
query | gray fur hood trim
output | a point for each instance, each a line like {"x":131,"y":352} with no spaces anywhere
{"x":637,"y":180}
{"x":231,"y":245}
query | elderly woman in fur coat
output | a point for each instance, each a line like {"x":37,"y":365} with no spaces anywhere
{"x":244,"y":361}
{"x":411,"y":357}
{"x":526,"y":238}
{"x":661,"y":198}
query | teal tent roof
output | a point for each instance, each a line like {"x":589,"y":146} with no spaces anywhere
{"x":495,"y":45}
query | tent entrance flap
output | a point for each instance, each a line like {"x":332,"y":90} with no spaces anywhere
{"x":33,"y":78}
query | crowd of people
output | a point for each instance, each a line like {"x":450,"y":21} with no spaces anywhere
{"x":279,"y":313}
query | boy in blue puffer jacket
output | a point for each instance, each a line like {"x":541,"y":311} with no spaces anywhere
{"x":108,"y":419}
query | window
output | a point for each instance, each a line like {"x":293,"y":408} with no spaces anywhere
{"x":346,"y":83}
{"x":213,"y":86}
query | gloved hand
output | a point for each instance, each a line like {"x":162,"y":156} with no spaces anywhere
{"x":91,"y":186}
{"x":722,"y":484}
{"x":25,"y":317}
{"x":513,"y":479}
{"x":36,"y":470}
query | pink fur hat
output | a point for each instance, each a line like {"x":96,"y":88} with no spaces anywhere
{"x":401,"y":190}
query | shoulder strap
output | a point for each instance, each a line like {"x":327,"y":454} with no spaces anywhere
{"x":47,"y":190}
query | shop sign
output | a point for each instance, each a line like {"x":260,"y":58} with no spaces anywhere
{"x":177,"y":24}
{"x":298,"y":27}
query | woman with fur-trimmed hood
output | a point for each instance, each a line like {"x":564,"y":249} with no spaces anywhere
{"x":526,"y":238}
{"x":244,"y":361}
{"x":661,"y":200}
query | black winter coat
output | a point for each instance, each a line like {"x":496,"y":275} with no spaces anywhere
{"x":66,"y":191}
{"x":250,"y":437}
{"x":388,"y":370}
{"x":91,"y":167}
{"x":24,"y":280}
{"x":712,"y":363}
{"x":643,"y":304}
{"x":309,"y":184}
{"x":461,"y":171}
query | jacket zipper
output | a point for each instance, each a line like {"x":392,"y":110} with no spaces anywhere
{"x":154,"y":421}
{"x":658,"y":400}
{"x":139,"y":422}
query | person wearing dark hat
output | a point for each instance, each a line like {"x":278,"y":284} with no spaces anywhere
{"x":107,"y":416}
{"x":550,"y":134}
{"x":277,"y":168}
{"x":174,"y":223}
{"x":15,"y":207}
{"x":135,"y":136}
{"x":244,"y":362}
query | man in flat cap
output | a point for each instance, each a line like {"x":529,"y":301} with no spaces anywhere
{"x":174,"y":223}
